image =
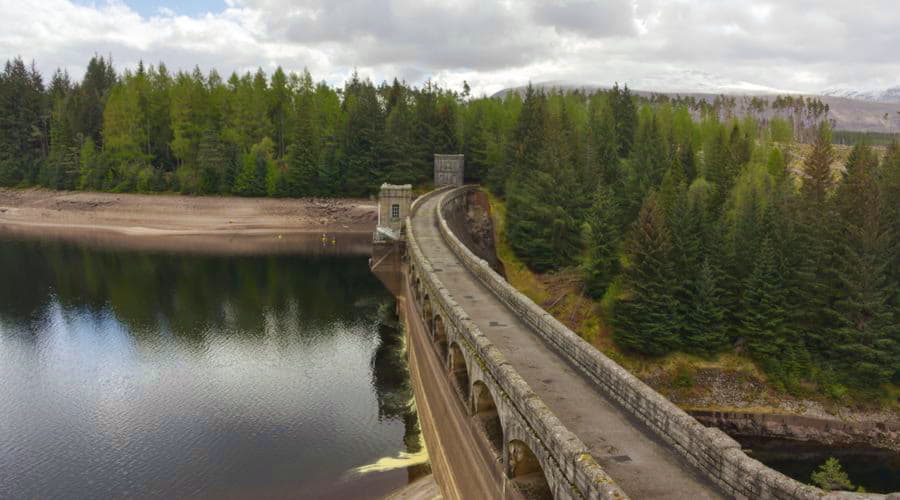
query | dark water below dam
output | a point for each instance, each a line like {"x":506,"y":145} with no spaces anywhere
{"x":130,"y":374}
{"x":877,"y":470}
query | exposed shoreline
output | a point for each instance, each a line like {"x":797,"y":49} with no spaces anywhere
{"x":214,"y":224}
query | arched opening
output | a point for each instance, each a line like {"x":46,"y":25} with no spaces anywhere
{"x":458,"y":372}
{"x":417,"y":287}
{"x":427,"y":313}
{"x":484,"y":408}
{"x":440,"y":336}
{"x":526,"y":473}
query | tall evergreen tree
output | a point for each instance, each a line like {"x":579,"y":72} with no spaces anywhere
{"x":22,"y":129}
{"x":527,"y":140}
{"x":812,"y":278}
{"x":543,"y":219}
{"x":643,"y":317}
{"x":362,"y":140}
{"x":304,"y":154}
{"x":251,"y":180}
{"x":602,"y":238}
{"x":865,"y":331}
{"x":763,"y":318}
{"x":626,"y":117}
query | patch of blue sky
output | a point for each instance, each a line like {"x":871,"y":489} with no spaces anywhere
{"x":150,"y":8}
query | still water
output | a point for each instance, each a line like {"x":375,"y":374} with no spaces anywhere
{"x":876,"y":470}
{"x":128,"y":374}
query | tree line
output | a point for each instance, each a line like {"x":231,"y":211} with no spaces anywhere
{"x":705,"y":241}
{"x":253,"y":134}
{"x":691,"y":224}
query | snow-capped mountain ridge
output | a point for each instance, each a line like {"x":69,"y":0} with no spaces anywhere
{"x":692,"y":81}
{"x":672,"y":82}
{"x":891,"y":94}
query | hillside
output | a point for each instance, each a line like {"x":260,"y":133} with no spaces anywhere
{"x":850,"y":110}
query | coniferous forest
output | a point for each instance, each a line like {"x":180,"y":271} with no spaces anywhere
{"x":697,"y":223}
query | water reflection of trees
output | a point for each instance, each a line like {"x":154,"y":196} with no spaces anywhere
{"x":187,"y":295}
{"x":391,"y":379}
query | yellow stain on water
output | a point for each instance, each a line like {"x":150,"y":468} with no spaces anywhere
{"x":403,"y":459}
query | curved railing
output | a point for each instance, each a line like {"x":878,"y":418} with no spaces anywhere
{"x":585,"y":477}
{"x":712,"y":451}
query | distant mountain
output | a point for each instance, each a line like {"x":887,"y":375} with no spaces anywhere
{"x":673,"y":82}
{"x":891,"y":94}
{"x":700,"y":82}
{"x":874,"y":111}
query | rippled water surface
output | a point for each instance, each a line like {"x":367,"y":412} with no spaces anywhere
{"x":159,"y":375}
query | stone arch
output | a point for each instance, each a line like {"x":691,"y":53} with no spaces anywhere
{"x":427,"y":313}
{"x":524,"y":469}
{"x":439,"y":333}
{"x":459,"y":372}
{"x":484,"y":409}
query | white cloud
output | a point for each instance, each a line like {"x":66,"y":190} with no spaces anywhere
{"x":804,"y":44}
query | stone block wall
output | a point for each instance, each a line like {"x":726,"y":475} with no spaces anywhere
{"x":568,"y":467}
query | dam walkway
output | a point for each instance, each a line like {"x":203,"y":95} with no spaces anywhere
{"x":636,"y":459}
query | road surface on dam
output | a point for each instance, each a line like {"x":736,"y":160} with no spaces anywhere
{"x":640,"y":463}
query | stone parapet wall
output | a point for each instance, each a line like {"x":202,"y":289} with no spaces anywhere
{"x":575,"y":473}
{"x":710,"y":450}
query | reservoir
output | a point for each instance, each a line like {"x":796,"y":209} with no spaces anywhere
{"x":138,"y":374}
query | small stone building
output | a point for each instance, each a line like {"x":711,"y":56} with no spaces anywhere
{"x":448,"y":170}
{"x":393,"y":207}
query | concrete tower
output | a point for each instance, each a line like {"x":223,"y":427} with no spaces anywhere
{"x":393,"y":207}
{"x":448,"y":170}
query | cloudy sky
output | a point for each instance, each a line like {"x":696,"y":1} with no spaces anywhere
{"x":801,"y":45}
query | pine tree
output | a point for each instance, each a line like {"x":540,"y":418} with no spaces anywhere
{"x":688,"y":160}
{"x":817,"y":177}
{"x":812,"y":279}
{"x":643,"y":317}
{"x":603,"y":143}
{"x":602,"y":238}
{"x":776,"y":164}
{"x":362,"y":139}
{"x":251,"y":180}
{"x":98,"y":80}
{"x":626,"y":118}
{"x":718,"y":166}
{"x":527,"y":141}
{"x":22,"y":131}
{"x":62,"y":162}
{"x":304,"y":153}
{"x":889,"y":181}
{"x":865,"y":329}
{"x":762,"y":315}
{"x":277,"y":108}
{"x":544,"y":215}
{"x":703,"y":329}
{"x":212,"y":163}
{"x":404,"y":160}
{"x":646,"y":167}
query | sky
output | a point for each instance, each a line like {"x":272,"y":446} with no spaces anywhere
{"x":794,"y":45}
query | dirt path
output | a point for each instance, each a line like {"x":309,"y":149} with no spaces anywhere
{"x":173,"y":222}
